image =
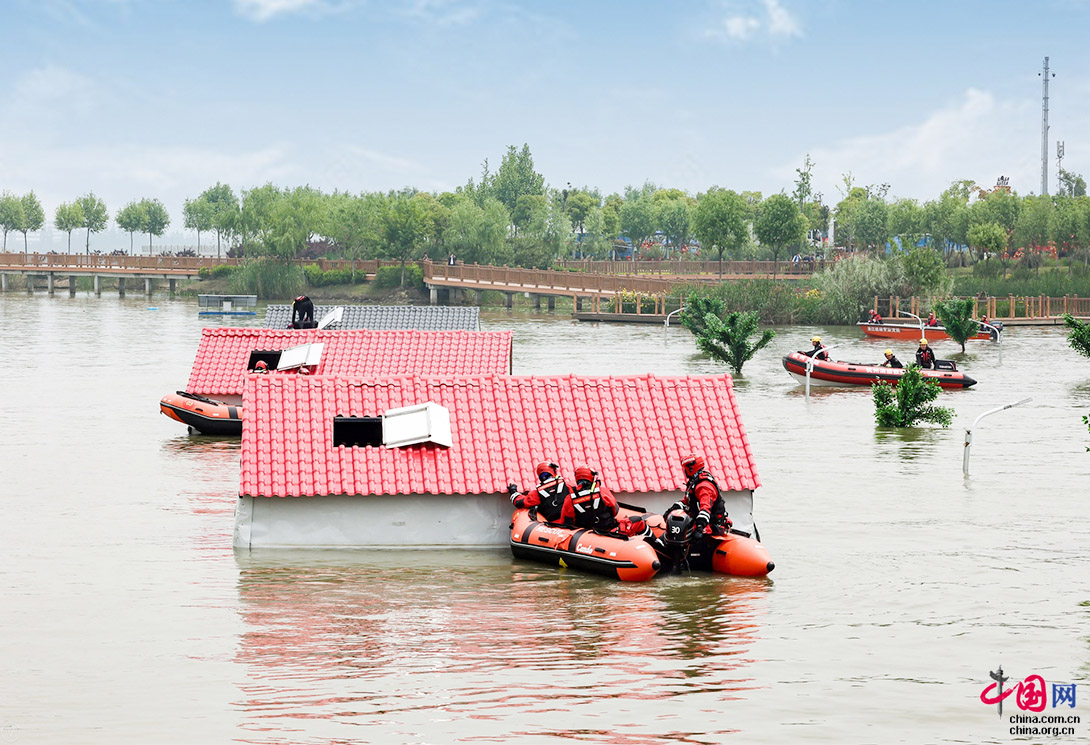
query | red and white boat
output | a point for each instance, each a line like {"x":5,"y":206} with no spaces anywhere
{"x":906,"y":332}
{"x":838,"y":373}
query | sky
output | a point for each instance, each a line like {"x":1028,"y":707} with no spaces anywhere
{"x":163,"y":98}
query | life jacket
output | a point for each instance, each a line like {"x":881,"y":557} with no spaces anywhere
{"x":591,"y":511}
{"x":692,"y":504}
{"x":552,"y":494}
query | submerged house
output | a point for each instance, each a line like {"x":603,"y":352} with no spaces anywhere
{"x":226,"y":356}
{"x":386,"y":317}
{"x":424,"y":460}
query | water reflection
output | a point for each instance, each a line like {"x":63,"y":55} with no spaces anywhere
{"x":347,"y":637}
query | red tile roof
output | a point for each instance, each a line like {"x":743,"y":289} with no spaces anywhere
{"x":220,"y":366}
{"x":633,"y":430}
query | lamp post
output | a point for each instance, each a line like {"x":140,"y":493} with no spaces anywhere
{"x":969,"y":432}
{"x":810,"y":366}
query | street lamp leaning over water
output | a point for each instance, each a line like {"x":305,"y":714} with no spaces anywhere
{"x":969,"y":432}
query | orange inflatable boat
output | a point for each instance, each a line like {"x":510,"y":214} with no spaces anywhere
{"x":202,"y":414}
{"x":629,"y":559}
{"x":731,"y":554}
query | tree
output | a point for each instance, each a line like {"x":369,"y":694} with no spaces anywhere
{"x":1071,"y":184}
{"x":870,"y":224}
{"x":156,"y":218}
{"x":33,"y":217}
{"x":909,"y":402}
{"x":697,"y":307}
{"x":579,"y":204}
{"x":727,"y":340}
{"x":516,"y":177}
{"x":95,"y":215}
{"x":720,"y":221}
{"x":637,"y":219}
{"x":525,"y":209}
{"x":197,"y":214}
{"x":907,"y":222}
{"x":11,"y":214}
{"x":987,"y":238}
{"x":402,"y":228}
{"x":1078,"y":335}
{"x":779,"y":224}
{"x":925,"y":271}
{"x":957,"y":316}
{"x":130,"y":218}
{"x":225,"y":210}
{"x":675,"y":218}
{"x":67,"y":218}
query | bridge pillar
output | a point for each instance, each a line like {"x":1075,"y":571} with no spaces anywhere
{"x":49,"y":282}
{"x":121,"y":287}
{"x":537,"y":303}
{"x":433,"y":298}
{"x":173,"y":286}
{"x":509,"y":299}
{"x":147,"y":286}
{"x":29,"y":284}
{"x":98,"y":285}
{"x":72,"y":285}
{"x":578,"y":304}
{"x":552,"y":303}
{"x":3,"y":283}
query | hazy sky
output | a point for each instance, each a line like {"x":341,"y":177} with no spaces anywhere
{"x":162,"y":98}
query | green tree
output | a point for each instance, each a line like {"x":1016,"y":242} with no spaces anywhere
{"x":11,"y":214}
{"x":95,"y":215}
{"x":1078,"y":334}
{"x":197,"y":214}
{"x":957,"y":316}
{"x":909,"y":402}
{"x":907,"y":222}
{"x":697,"y":307}
{"x":675,"y":218}
{"x":527,"y":206}
{"x":727,"y":340}
{"x":870,"y":224}
{"x":402,"y":228}
{"x":1071,"y":184}
{"x":156,"y":219}
{"x":33,"y":217}
{"x":779,"y":224}
{"x":579,"y":205}
{"x":516,"y":177}
{"x":67,"y":218}
{"x":638,"y":219}
{"x":611,"y":216}
{"x":130,"y":218}
{"x":987,"y":238}
{"x":224,"y":206}
{"x":1032,"y":229}
{"x":720,"y":221}
{"x":925,"y":272}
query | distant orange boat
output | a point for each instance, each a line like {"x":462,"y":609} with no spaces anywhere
{"x":906,"y":332}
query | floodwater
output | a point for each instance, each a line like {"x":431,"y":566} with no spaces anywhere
{"x":127,"y":616}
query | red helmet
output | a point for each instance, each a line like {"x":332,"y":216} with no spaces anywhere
{"x":692,"y":464}
{"x":583,"y":473}
{"x":545,"y":471}
{"x":261,"y":365}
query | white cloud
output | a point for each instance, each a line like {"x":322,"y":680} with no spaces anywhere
{"x":750,"y":19}
{"x":263,"y":10}
{"x":444,"y":12}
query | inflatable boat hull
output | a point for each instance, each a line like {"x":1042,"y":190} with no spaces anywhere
{"x":733,"y":554}
{"x":205,"y":415}
{"x":846,"y":374}
{"x":905,"y":332}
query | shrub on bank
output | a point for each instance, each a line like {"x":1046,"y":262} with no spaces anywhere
{"x":219,"y":271}
{"x":390,"y":276}
{"x":317,"y":278}
{"x":268,"y":279}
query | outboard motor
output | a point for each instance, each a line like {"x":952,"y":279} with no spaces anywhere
{"x":678,"y":537}
{"x":995,"y":332}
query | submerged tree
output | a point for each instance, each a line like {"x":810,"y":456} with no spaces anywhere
{"x":957,"y":316}
{"x":1079,"y":335}
{"x":696,"y":308}
{"x":909,"y":402}
{"x":727,"y":340}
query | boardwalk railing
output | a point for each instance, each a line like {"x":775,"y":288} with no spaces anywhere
{"x":1002,"y":308}
{"x":545,"y":280}
{"x":681,"y":267}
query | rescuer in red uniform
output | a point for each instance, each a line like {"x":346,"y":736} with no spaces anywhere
{"x":702,"y":498}
{"x":547,"y":497}
{"x":592,"y":505}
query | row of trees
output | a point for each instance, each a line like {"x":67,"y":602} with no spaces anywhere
{"x":510,"y":216}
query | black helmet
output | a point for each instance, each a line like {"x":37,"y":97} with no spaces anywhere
{"x":679,"y":527}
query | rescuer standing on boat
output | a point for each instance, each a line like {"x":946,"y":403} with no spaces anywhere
{"x":548,"y":496}
{"x":818,"y":352}
{"x":702,"y":498}
{"x":925,"y":358}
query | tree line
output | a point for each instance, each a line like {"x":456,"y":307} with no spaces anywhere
{"x":510,"y":216}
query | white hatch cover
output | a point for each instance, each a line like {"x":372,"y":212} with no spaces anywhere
{"x":305,"y":354}
{"x":332,"y":317}
{"x":409,"y":425}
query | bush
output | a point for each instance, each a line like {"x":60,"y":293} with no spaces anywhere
{"x":317,"y":278}
{"x":390,"y":276}
{"x":269,"y":279}
{"x":909,"y":402}
{"x":219,"y":271}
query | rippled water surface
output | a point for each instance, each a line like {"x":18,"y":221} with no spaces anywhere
{"x":127,"y":617}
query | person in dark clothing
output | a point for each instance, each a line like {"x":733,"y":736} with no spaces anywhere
{"x":818,"y":352}
{"x":890,"y":360}
{"x":547,"y":497}
{"x":925,"y":358}
{"x":702,"y":500}
{"x":302,"y":313}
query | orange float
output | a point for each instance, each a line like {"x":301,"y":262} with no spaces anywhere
{"x":204,"y":415}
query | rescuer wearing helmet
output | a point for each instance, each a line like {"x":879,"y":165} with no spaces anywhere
{"x":702,"y":499}
{"x":890,"y":360}
{"x":591,"y":504}
{"x":547,"y":497}
{"x":302,"y":313}
{"x":925,"y":358}
{"x":818,"y":352}
{"x":931,"y":320}
{"x":261,"y":367}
